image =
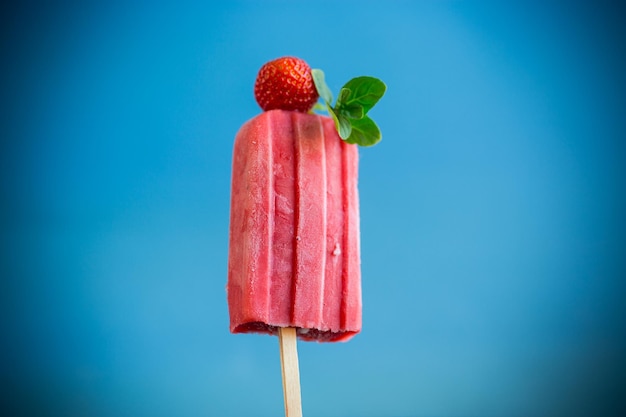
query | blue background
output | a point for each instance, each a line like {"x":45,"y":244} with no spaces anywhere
{"x":492,"y":213}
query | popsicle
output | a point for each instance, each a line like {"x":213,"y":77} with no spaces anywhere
{"x":294,"y":266}
{"x":294,"y":258}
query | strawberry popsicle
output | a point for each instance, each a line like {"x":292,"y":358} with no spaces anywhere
{"x":294,"y":263}
{"x":294,"y":256}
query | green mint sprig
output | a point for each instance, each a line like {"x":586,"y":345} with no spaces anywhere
{"x":355,"y":99}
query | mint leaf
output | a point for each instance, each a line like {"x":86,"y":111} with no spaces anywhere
{"x":364,"y":91}
{"x":344,"y":96}
{"x":320,"y":85}
{"x":334,"y":116}
{"x":344,"y":127}
{"x":353,"y":111}
{"x":319,"y":107}
{"x":355,"y":99}
{"x":364,"y":132}
{"x":341,"y":123}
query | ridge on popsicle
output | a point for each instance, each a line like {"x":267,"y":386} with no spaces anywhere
{"x":294,"y":240}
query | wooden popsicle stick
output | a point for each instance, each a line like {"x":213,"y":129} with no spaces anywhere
{"x":290,"y":371}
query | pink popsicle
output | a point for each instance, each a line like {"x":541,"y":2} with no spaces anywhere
{"x":294,"y":256}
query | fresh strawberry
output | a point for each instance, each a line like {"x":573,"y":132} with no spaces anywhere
{"x":285,"y":83}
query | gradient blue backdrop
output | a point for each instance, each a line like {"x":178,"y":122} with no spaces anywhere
{"x":493,"y":226}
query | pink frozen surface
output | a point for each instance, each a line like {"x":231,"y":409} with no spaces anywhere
{"x":294,"y":257}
